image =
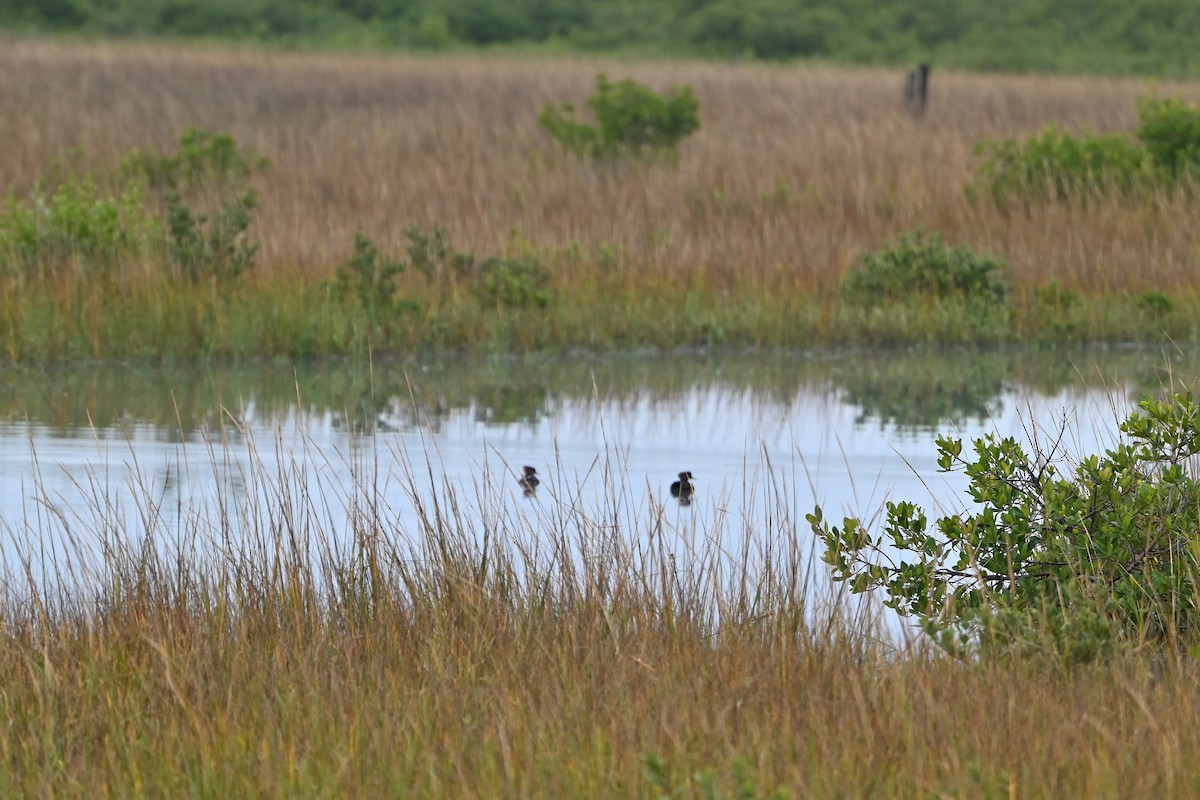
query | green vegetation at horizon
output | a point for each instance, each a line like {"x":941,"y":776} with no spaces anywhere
{"x":1082,"y":36}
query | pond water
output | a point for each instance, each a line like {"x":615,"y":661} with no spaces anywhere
{"x":84,"y":450}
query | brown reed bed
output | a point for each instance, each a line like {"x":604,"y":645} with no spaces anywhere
{"x":502,"y":647}
{"x":795,"y":172}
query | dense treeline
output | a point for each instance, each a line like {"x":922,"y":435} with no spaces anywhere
{"x":1025,"y":35}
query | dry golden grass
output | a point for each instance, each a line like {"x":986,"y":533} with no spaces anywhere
{"x":252,"y":653}
{"x":795,"y":171}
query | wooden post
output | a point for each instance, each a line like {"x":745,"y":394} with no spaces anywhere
{"x":916,"y":90}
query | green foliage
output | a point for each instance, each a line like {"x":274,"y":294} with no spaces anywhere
{"x":516,"y":282}
{"x":186,"y":210}
{"x":1071,"y":563}
{"x":1101,"y":36}
{"x":1105,"y":36}
{"x":1169,"y":130}
{"x":1154,"y":303}
{"x":204,"y":158}
{"x":432,"y":255}
{"x":206,"y":207}
{"x":210,"y":246}
{"x":920,"y":288}
{"x":923,"y":267}
{"x":1060,"y":167}
{"x":1056,"y":166}
{"x":369,"y":278}
{"x":704,"y":783}
{"x":633,"y":121}
{"x":75,"y":223}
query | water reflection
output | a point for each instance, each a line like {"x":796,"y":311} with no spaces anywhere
{"x":908,"y":391}
{"x":206,"y":450}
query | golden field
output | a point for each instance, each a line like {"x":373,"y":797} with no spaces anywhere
{"x":794,"y":172}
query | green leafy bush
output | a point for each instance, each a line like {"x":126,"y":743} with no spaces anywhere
{"x":705,"y":783}
{"x":210,"y":246}
{"x":1072,"y":562}
{"x":633,"y":121}
{"x":75,"y":223}
{"x":432,"y":255}
{"x":188,"y":210}
{"x":516,"y":280}
{"x":204,"y":158}
{"x":521,"y":282}
{"x":1058,"y":166}
{"x":369,"y":278}
{"x":1169,"y":129}
{"x":923,"y":267}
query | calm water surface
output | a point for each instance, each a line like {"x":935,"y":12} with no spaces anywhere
{"x":83,"y":450}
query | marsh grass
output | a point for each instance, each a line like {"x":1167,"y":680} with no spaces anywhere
{"x":288,"y":636}
{"x":793,"y":175}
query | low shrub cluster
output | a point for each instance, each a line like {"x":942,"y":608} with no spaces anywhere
{"x":922,"y":266}
{"x":633,"y":121}
{"x":919,"y":273}
{"x":187,"y":211}
{"x":369,"y":283}
{"x":1163,"y":154}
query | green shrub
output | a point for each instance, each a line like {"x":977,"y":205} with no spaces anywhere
{"x":186,"y":209}
{"x":1155,"y":304}
{"x":75,"y":223}
{"x":514,"y":281}
{"x":705,"y":783}
{"x":210,"y":246}
{"x":204,"y":159}
{"x":432,"y":255}
{"x":633,"y":121}
{"x":1071,"y":563}
{"x":1056,"y":166}
{"x":923,"y":267}
{"x":369,"y":279}
{"x":206,"y":204}
{"x":1170,"y":132}
{"x":520,"y":282}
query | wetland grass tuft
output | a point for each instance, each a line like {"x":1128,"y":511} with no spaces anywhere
{"x":285,"y":637}
{"x":794,"y":175}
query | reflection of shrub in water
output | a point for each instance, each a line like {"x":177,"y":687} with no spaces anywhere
{"x":500,"y":403}
{"x":921,"y":392}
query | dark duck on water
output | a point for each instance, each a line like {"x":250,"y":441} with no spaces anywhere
{"x":529,"y":482}
{"x":683,"y":490}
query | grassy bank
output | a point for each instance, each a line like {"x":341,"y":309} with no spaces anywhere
{"x":510,"y":647}
{"x":792,"y":177}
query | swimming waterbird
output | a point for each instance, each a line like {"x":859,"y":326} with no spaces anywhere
{"x":529,"y":482}
{"x":683,"y":490}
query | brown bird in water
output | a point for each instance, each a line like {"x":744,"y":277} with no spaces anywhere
{"x":529,"y":482}
{"x":683,"y":490}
